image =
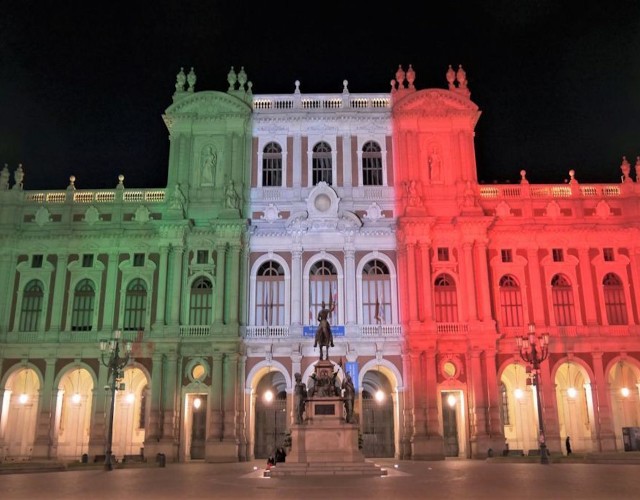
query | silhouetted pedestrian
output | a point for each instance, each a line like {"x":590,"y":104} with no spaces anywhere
{"x":567,"y":443}
{"x":281,"y":455}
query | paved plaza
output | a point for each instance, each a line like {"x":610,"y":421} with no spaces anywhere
{"x":442,"y":479}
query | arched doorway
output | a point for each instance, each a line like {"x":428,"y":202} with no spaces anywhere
{"x":575,"y":406}
{"x":20,"y":412}
{"x":377,"y":422}
{"x":624,"y":383}
{"x":73,"y":413}
{"x":270,"y":414}
{"x":130,"y":414}
{"x":519,"y":409}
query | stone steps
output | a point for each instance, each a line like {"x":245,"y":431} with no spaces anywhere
{"x":27,"y":467}
{"x":326,"y":469}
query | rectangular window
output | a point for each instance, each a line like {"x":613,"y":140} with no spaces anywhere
{"x":607,"y":254}
{"x":87,"y":260}
{"x":271,"y":171}
{"x":36,"y":261}
{"x":138,"y":259}
{"x":202,"y":257}
{"x":558,"y":255}
{"x":443,"y":254}
{"x":506,"y":255}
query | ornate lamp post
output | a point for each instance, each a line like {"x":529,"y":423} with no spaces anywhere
{"x":534,"y":350}
{"x":116,"y":364}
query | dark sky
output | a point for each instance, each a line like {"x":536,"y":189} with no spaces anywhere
{"x":83,"y":84}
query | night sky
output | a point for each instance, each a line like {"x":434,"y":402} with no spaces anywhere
{"x":83,"y":84}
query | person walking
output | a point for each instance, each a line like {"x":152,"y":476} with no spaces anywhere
{"x":567,"y":444}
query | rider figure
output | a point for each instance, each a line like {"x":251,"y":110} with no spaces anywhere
{"x":324,"y":326}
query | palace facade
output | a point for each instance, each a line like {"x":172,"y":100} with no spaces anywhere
{"x":277,"y":206}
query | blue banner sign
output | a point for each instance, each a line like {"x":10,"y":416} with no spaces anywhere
{"x":310,"y":331}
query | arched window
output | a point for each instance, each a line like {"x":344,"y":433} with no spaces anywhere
{"x":32,"y":300}
{"x":371,"y":164}
{"x":272,"y":165}
{"x":84,"y":297}
{"x":445,"y":299}
{"x":321,"y":169}
{"x":201,"y":302}
{"x":270,"y":294}
{"x":135,"y":305}
{"x":562,"y":297}
{"x":323,"y":290}
{"x":376,"y":293}
{"x":510,"y":301}
{"x":614,"y":302}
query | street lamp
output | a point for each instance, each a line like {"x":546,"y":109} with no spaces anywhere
{"x":115,"y":363}
{"x":534,"y":350}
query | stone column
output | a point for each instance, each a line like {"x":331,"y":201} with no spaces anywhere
{"x":590,"y":309}
{"x":602,"y":406}
{"x":153,"y":428}
{"x":242,"y":423}
{"x":46,"y":414}
{"x":429,"y":373}
{"x":536,"y":291}
{"x":7,"y":275}
{"x":216,"y":404}
{"x":494,"y":425}
{"x":230,"y":391}
{"x":426,"y":281}
{"x":350,"y":282}
{"x":296,"y":286}
{"x":483,"y":279}
{"x":100,"y":403}
{"x":59,"y":297}
{"x":470,"y":297}
{"x":109,"y":300}
{"x":408,"y":413}
{"x":411,"y":281}
{"x":162,"y":286}
{"x":221,"y":252}
{"x":634,"y":289}
{"x":176,"y":284}
{"x":169,"y":398}
{"x":232,"y":297}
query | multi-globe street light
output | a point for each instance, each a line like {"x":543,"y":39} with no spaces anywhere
{"x":115,"y":363}
{"x":534,"y":350}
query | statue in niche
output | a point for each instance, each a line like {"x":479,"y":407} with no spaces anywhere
{"x":208,"y":169}
{"x":435,"y":165}
{"x":177,"y":198}
{"x":230,"y":195}
{"x":412,"y":194}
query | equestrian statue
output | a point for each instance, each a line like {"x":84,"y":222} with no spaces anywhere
{"x":324,"y":337}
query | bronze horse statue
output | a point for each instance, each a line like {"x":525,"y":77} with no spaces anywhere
{"x":324,"y":337}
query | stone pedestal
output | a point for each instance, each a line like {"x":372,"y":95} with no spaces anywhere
{"x":325,"y":444}
{"x":324,"y":436}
